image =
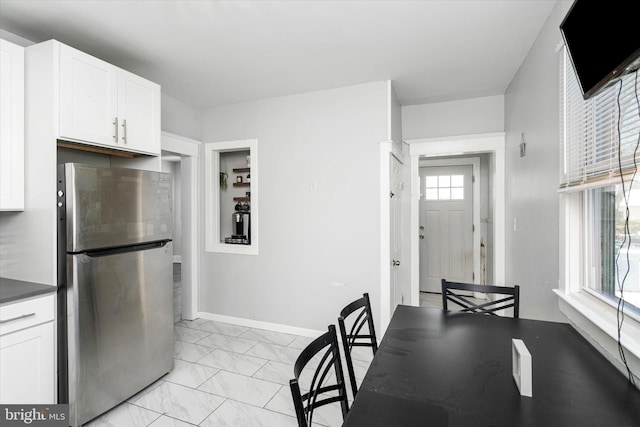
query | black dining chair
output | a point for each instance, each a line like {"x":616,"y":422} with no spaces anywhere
{"x":320,"y":393}
{"x":358,"y":315}
{"x":509,"y":297}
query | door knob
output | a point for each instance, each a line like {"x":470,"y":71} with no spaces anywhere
{"x":395,"y":263}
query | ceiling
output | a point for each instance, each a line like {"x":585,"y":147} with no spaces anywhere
{"x":209,"y":53}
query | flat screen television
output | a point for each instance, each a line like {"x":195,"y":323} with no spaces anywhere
{"x":603,"y":41}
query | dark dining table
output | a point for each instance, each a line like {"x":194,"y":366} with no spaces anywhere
{"x":437,"y":368}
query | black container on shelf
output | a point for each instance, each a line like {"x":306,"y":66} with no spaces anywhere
{"x":241,"y":225}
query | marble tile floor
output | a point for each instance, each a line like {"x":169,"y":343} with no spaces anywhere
{"x":226,"y":375}
{"x":229,"y":375}
{"x":432,"y":300}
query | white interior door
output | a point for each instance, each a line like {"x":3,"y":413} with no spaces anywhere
{"x":446,"y":225}
{"x":395,"y":170}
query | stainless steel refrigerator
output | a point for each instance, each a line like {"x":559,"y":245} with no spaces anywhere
{"x":115,"y":293}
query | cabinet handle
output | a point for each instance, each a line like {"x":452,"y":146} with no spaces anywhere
{"x":115,"y":123}
{"x":124,"y":131}
{"x":17,"y":318}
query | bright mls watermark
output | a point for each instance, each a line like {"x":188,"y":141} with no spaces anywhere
{"x":34,"y":415}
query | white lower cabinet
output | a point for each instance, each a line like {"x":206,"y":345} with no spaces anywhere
{"x":27,"y":352}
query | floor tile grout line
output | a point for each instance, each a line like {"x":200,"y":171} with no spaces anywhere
{"x":255,"y":406}
{"x":211,"y":413}
{"x":244,"y":332}
{"x":160,"y":414}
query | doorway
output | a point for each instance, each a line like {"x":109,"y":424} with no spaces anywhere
{"x":395,"y":196}
{"x":447,"y":222}
{"x":493,"y":145}
{"x":182,"y":153}
{"x":171,"y":164}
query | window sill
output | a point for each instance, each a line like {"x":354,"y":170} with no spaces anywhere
{"x":233,"y":249}
{"x":596,"y":321}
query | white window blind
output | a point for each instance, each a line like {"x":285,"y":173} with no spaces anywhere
{"x":594,"y":131}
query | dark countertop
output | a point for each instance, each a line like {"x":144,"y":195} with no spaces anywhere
{"x":14,"y":290}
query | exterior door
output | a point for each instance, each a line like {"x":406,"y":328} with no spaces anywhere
{"x":395,"y":168}
{"x":446,"y":225}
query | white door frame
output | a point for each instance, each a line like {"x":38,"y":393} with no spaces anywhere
{"x":387,"y":150}
{"x":475,"y":164}
{"x":451,"y":146}
{"x":189,"y":151}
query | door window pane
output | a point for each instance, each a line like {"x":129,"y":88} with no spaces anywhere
{"x":457,"y":193}
{"x":457,"y":181}
{"x":444,"y":187}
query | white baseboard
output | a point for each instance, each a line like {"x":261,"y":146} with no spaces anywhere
{"x":251,"y":323}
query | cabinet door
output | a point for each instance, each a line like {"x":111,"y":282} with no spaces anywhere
{"x":139,"y":113}
{"x":11,"y":127}
{"x":27,"y":363}
{"x":88,"y":98}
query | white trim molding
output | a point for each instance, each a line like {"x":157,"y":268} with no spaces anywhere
{"x":420,"y":149}
{"x":257,"y":324}
{"x":386,"y":149}
{"x":189,"y":151}
{"x":180,"y":144}
{"x":596,"y":322}
{"x":213,"y":239}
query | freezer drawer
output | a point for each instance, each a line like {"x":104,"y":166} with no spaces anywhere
{"x":120,"y":327}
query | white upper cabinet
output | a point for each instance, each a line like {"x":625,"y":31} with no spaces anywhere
{"x":101,"y":104}
{"x":11,"y":127}
{"x":88,"y":98}
{"x":138,"y":112}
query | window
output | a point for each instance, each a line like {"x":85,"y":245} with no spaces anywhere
{"x":613,"y":253}
{"x":600,"y":215}
{"x":600,"y":137}
{"x":444,"y":187}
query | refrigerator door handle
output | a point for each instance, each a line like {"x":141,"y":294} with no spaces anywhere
{"x":125,"y":249}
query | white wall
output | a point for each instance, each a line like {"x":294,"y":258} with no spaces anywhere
{"x":531,"y":107}
{"x":454,"y":118}
{"x":395,"y":118}
{"x":14,"y":38}
{"x":307,"y":239}
{"x":463,"y":117}
{"x":181,"y":119}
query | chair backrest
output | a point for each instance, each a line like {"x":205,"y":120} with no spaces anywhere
{"x":360,"y":310}
{"x":320,"y":392}
{"x":510,"y":297}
